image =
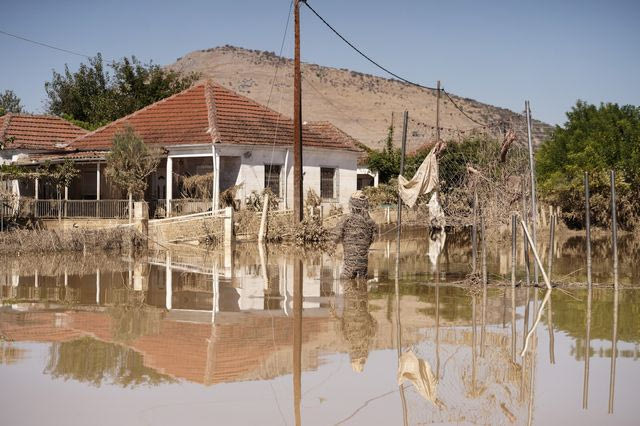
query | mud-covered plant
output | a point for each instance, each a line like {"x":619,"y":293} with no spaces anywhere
{"x":130,"y":163}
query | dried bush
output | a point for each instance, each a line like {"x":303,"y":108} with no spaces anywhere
{"x":46,"y":241}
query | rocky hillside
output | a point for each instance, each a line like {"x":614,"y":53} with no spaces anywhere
{"x":360,"y":104}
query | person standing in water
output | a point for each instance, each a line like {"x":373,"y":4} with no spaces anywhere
{"x":356,"y":231}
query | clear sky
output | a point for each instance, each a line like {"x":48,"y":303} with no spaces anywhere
{"x":500,"y":52}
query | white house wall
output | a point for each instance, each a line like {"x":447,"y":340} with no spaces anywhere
{"x":254,"y":159}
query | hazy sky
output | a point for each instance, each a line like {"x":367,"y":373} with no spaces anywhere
{"x":499,"y":52}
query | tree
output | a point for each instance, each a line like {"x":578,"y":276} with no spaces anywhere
{"x":92,"y":96}
{"x":130,"y":162}
{"x":595,"y":139}
{"x":9,"y":102}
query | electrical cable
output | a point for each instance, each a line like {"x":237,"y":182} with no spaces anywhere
{"x":45,"y":44}
{"x":368,"y":58}
{"x":364,"y":55}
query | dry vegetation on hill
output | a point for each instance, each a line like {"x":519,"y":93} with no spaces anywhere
{"x":360,"y":104}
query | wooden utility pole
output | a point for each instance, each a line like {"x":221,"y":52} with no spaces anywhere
{"x":298,"y":198}
{"x":405,"y":122}
{"x":438,"y":114}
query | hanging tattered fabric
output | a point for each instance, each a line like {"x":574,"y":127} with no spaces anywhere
{"x":419,"y":373}
{"x":424,"y":181}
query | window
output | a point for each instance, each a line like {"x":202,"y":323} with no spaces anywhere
{"x":327,"y":182}
{"x":272,"y":178}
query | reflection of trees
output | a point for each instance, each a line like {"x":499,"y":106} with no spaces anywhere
{"x":9,"y":354}
{"x":452,"y":306}
{"x":131,"y":322}
{"x":91,"y":361}
{"x":357,"y":325}
{"x":570,"y":313}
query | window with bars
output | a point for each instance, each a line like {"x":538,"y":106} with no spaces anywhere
{"x":272,"y":178}
{"x":327,"y":182}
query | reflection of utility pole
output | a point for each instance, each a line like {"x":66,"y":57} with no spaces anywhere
{"x":532,"y":360}
{"x":473,"y":345}
{"x":614,"y":351}
{"x":587,"y":353}
{"x":297,"y":338}
{"x":397,"y":304}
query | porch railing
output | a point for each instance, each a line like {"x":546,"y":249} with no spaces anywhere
{"x":80,"y":209}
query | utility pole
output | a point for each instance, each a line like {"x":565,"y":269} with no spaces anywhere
{"x":438,"y":114}
{"x":298,"y":198}
{"x":405,"y":122}
{"x":534,"y":207}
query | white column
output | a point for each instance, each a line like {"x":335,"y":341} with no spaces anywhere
{"x":36,"y":279}
{"x":97,"y":181}
{"x":216,"y":177}
{"x":97,"y":286}
{"x":214,"y":174}
{"x":37,"y":188}
{"x":286,"y":180}
{"x":376,"y":178}
{"x":168,"y":282}
{"x":169,"y":184}
{"x":66,"y":193}
{"x":66,"y":278}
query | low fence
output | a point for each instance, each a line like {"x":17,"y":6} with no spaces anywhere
{"x":53,"y":209}
{"x":98,"y":209}
{"x":208,"y":226}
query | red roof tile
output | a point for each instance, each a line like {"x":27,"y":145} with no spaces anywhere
{"x":26,"y":131}
{"x":210,"y":113}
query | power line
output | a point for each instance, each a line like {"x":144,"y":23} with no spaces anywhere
{"x":364,"y":55}
{"x":368,"y":58}
{"x":39,"y":43}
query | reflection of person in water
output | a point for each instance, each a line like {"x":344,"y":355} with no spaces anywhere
{"x":356,"y":231}
{"x":357,"y":325}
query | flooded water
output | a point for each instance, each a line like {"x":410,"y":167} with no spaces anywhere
{"x":273,"y":336}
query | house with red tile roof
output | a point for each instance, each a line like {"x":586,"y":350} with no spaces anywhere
{"x":27,"y":135}
{"x":209,"y":129}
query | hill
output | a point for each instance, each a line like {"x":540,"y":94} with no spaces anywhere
{"x":360,"y":104}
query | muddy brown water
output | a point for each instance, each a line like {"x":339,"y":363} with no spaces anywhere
{"x":195,"y":337}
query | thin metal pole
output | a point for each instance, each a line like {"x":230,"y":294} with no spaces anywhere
{"x":535,"y":255}
{"x":514,"y":230}
{"x":552,"y":235}
{"x":438,"y":113}
{"x":405,"y":120}
{"x":534,"y":210}
{"x":614,"y":229}
{"x":525,"y":259}
{"x":484,"y":252}
{"x":483,"y":330}
{"x":474,"y":232}
{"x":298,"y":196}
{"x":587,"y":226}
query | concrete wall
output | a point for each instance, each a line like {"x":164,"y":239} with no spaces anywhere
{"x":66,"y":224}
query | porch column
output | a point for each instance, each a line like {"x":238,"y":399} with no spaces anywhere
{"x":286,"y":180}
{"x":97,"y":181}
{"x":168,"y":282}
{"x":37,"y":184}
{"x":215,"y":155}
{"x":376,"y":178}
{"x":169,"y":185}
